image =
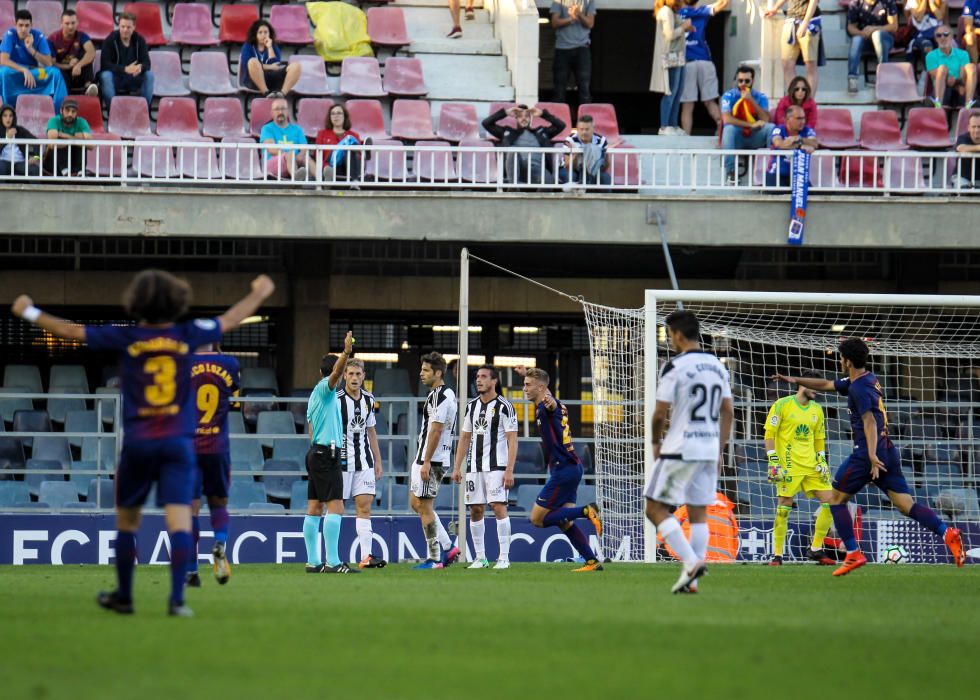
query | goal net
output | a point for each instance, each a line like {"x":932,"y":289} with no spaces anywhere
{"x":924,"y":350}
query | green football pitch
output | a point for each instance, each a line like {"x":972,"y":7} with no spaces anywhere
{"x":536,"y":631}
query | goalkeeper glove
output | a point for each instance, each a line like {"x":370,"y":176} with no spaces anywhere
{"x":776,"y":472}
{"x":823,"y":469}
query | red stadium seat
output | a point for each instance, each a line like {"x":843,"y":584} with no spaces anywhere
{"x":624,"y":168}
{"x":477,"y":166}
{"x":895,"y":83}
{"x":458,"y":122}
{"x":403,"y":77}
{"x":560,"y":110}
{"x":963,"y":121}
{"x":210,"y":74}
{"x":823,"y":172}
{"x":198,"y":162}
{"x":223,"y":118}
{"x":880,"y":131}
{"x":95,"y":18}
{"x":861,"y":171}
{"x":411,"y":120}
{"x":260,"y":114}
{"x":433,"y":161}
{"x":366,"y":119}
{"x":361,"y":77}
{"x":386,"y":27}
{"x":606,"y":123}
{"x":387,"y":165}
{"x":148,"y":22}
{"x":311,"y":115}
{"x":927,"y":129}
{"x":506,"y":121}
{"x":241,"y":163}
{"x":152,"y":160}
{"x":177,"y":118}
{"x":191,"y":25}
{"x":168,"y":77}
{"x":6,"y":14}
{"x":46,"y":15}
{"x":291,"y":24}
{"x":836,"y":128}
{"x":129,"y":117}
{"x":235,"y":21}
{"x":90,"y":109}
{"x":106,"y":161}
{"x":312,"y":77}
{"x":33,"y":113}
{"x":905,"y":173}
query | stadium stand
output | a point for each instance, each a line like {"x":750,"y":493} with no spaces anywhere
{"x":312,"y":78}
{"x":90,"y":109}
{"x":246,"y":454}
{"x":57,"y":494}
{"x":562,"y":111}
{"x":223,"y":118}
{"x":411,"y":120}
{"x":475,"y":166}
{"x":31,"y":421}
{"x":210,"y":75}
{"x":6,"y":13}
{"x":392,"y":167}
{"x":311,"y":115}
{"x":235,"y":21}
{"x":238,"y":164}
{"x":361,"y":77}
{"x":433,"y":161}
{"x":243,"y":493}
{"x":279,"y":487}
{"x":191,"y":25}
{"x":33,"y":113}
{"x":129,"y":117}
{"x":177,"y":119}
{"x":95,"y":18}
{"x":386,"y":27}
{"x":168,"y":77}
{"x":274,"y":423}
{"x":927,"y":129}
{"x":403,"y":78}
{"x":149,"y":24}
{"x":880,"y":131}
{"x":895,"y":84}
{"x":457,"y":123}
{"x":291,"y":25}
{"x":259,"y":378}
{"x":46,"y":15}
{"x":13,"y":492}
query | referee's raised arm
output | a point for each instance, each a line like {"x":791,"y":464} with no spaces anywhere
{"x":341,"y":363}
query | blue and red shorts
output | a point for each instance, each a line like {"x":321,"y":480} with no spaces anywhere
{"x":855,"y":472}
{"x":168,"y":462}
{"x":561,"y":487}
{"x":213,"y":475}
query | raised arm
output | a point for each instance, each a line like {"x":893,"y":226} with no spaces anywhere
{"x":807,"y":382}
{"x":262,"y":289}
{"x":23,"y":307}
{"x":338,"y":367}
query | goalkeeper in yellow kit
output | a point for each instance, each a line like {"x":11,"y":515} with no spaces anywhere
{"x":795,"y":438}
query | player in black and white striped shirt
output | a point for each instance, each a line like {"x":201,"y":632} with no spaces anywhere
{"x":489,"y":439}
{"x":363,"y":456}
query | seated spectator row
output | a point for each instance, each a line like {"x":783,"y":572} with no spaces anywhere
{"x":926,"y":129}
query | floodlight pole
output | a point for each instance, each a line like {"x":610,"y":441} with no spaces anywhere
{"x":462,"y":384}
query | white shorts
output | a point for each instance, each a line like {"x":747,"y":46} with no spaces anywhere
{"x":677,"y":482}
{"x":430,"y":488}
{"x":358,"y":483}
{"x":699,"y":77}
{"x":485,"y":487}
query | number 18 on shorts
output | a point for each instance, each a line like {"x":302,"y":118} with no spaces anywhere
{"x":485,"y":487}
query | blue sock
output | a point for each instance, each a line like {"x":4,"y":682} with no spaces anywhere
{"x":196,"y":532}
{"x":181,"y":543}
{"x":927,"y":518}
{"x":580,"y":542}
{"x":557,"y":515}
{"x":844,"y":525}
{"x":219,"y":523}
{"x":311,"y":533}
{"x":125,"y":563}
{"x":331,"y":537}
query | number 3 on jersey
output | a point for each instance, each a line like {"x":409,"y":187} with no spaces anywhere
{"x":207,"y":402}
{"x":164,"y":387}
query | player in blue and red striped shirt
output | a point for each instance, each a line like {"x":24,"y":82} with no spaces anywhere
{"x":555,"y":505}
{"x":214,"y":380}
{"x":158,"y":411}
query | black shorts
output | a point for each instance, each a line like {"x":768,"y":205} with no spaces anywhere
{"x":274,"y":80}
{"x":326,"y":475}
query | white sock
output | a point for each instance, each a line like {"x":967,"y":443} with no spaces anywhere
{"x":364,"y":533}
{"x":479,"y":530}
{"x":444,"y":541}
{"x":672,"y":532}
{"x":699,"y":539}
{"x":503,"y":537}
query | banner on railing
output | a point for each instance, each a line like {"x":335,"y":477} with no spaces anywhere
{"x":798,"y":196}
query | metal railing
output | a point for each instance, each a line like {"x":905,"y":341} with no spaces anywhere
{"x":438,"y":165}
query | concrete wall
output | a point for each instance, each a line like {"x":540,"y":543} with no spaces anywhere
{"x":515,"y":24}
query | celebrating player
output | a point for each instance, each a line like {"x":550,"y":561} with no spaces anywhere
{"x":795,"y":447}
{"x":214,"y":378}
{"x":158,"y":411}
{"x":492,"y":456}
{"x":324,"y":463}
{"x":362,"y":454}
{"x":435,"y":444}
{"x":555,"y":505}
{"x":875,"y":458}
{"x":695,"y":387}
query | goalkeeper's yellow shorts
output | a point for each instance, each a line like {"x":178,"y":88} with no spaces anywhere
{"x":806,"y":481}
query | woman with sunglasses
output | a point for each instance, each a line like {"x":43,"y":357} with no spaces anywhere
{"x":667,"y":75}
{"x":800,"y":94}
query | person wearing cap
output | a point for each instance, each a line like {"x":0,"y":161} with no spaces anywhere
{"x":67,"y":125}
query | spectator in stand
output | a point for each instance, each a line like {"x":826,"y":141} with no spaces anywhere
{"x":74,"y":55}
{"x":24,"y":55}
{"x":15,"y":159}
{"x":67,"y":159}
{"x":800,"y":36}
{"x":922,"y":18}
{"x":126,"y":63}
{"x":667,"y":74}
{"x":794,"y":134}
{"x":798,"y":93}
{"x":585,"y":159}
{"x":339,"y":161}
{"x":869,"y":20}
{"x":971,"y":10}
{"x":968,"y":169}
{"x":532,"y":168}
{"x":284,"y":163}
{"x":700,"y":75}
{"x":745,"y":113}
{"x":457,"y":31}
{"x":572,"y":21}
{"x":954,"y":77}
{"x":265,"y":70}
